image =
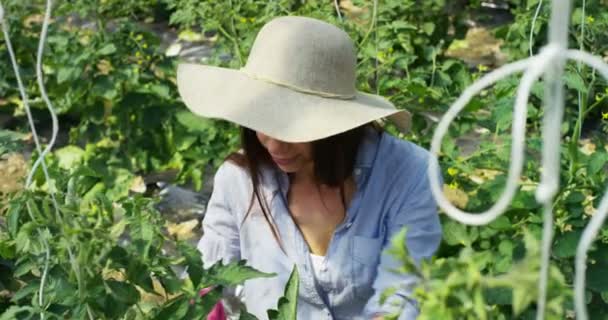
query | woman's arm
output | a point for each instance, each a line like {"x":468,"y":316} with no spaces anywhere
{"x":417,"y":210}
{"x":220,"y":240}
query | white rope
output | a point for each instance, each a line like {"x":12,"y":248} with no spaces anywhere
{"x":337,"y":6}
{"x":25,"y":100}
{"x":49,"y":105}
{"x":531,"y":37}
{"x":26,"y":104}
{"x":517,"y":147}
{"x":45,"y":272}
{"x":598,"y":218}
{"x":550,"y":63}
{"x":42,"y":153}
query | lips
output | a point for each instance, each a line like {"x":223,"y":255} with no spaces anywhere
{"x":283,"y":161}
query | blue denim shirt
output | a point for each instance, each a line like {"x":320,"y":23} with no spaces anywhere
{"x":392,"y":192}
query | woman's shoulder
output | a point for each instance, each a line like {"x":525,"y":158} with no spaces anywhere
{"x":402,"y":155}
{"x":232,"y":173}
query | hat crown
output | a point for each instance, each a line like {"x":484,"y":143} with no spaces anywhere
{"x":305,"y":54}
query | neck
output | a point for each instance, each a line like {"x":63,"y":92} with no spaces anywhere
{"x":305,"y":175}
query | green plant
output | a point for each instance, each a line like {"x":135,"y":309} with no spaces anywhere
{"x":115,"y":92}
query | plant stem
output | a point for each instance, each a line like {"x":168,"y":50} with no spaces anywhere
{"x":235,"y":44}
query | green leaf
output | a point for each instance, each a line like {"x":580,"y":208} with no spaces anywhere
{"x":175,"y":310}
{"x":11,"y":141}
{"x":13,"y":218}
{"x":194,"y":262}
{"x":574,"y":81}
{"x":400,"y":25}
{"x":24,"y":267}
{"x":107,"y":49}
{"x":161,"y":90}
{"x":30,"y":289}
{"x":565,"y":244}
{"x":428,"y":28}
{"x":247,"y":316}
{"x":234,"y":273}
{"x":596,"y":279}
{"x":117,"y":229}
{"x":501,"y":223}
{"x":288,"y":304}
{"x":597,"y":162}
{"x":16,"y":312}
{"x":455,"y":233}
{"x":123,"y":291}
{"x":193,"y":122}
{"x":67,"y":74}
{"x":70,"y":156}
{"x":521,"y":299}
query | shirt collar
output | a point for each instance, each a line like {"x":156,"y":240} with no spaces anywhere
{"x":368,"y":149}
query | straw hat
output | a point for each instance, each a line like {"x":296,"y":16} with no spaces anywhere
{"x":298,"y":85}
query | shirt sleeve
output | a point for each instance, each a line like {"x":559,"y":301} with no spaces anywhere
{"x":220,"y":240}
{"x":418,"y":212}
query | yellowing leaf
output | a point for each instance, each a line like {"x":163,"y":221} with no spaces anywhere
{"x":138,"y":185}
{"x":190,"y":36}
{"x":456,"y":196}
{"x":586,"y":146}
{"x":184,"y":230}
{"x":12,"y":171}
{"x":104,"y":67}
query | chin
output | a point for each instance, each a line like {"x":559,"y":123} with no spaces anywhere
{"x":288,"y":169}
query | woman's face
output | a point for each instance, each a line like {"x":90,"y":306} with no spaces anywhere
{"x":289,"y":157}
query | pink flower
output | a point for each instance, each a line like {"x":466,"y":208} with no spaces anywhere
{"x":204,"y":291}
{"x":218,"y":312}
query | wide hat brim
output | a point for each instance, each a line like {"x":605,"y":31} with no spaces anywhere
{"x":275,"y":110}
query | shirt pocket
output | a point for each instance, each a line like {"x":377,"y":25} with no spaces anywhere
{"x":365,"y":257}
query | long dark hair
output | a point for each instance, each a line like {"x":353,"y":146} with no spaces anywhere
{"x":333,"y":157}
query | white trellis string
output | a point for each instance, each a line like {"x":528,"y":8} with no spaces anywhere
{"x":42,"y":153}
{"x":337,"y":6}
{"x":40,"y":80}
{"x":550,"y":62}
{"x":28,"y":111}
{"x":25,"y":100}
{"x":598,"y":218}
{"x":531,"y":37}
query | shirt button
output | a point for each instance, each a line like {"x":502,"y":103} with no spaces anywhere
{"x":357,"y":171}
{"x":348,"y":225}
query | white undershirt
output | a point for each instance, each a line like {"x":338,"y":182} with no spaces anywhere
{"x":317,"y":264}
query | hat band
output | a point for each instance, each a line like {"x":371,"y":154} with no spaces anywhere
{"x":296,"y":88}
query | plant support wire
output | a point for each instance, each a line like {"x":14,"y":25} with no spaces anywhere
{"x":549,"y":64}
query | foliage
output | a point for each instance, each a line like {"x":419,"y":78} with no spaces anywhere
{"x":471,"y":285}
{"x":108,"y":75}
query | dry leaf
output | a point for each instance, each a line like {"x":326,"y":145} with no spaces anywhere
{"x":104,"y":66}
{"x":480,"y":176}
{"x":113,"y":274}
{"x":479,"y":47}
{"x":354,"y":12}
{"x":456,"y":196}
{"x":183,"y":230}
{"x":587,"y":147}
{"x":138,"y":185}
{"x":13,"y":169}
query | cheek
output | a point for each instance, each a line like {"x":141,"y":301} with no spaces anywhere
{"x":262,"y":138}
{"x":306,"y":151}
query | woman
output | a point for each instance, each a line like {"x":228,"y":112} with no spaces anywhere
{"x":318,"y":184}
